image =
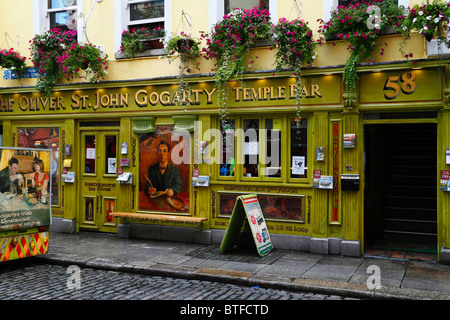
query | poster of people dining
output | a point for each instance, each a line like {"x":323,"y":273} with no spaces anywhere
{"x":25,"y":184}
{"x":163,"y":183}
{"x":44,"y":138}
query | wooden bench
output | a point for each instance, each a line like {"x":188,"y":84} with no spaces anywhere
{"x":163,"y":217}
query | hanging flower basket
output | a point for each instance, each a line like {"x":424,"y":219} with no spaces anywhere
{"x":295,"y":44}
{"x":350,"y":23}
{"x":188,"y":50}
{"x":431,"y":20}
{"x":183,"y":45}
{"x":56,"y":55}
{"x":10,"y":59}
{"x":229,"y":42}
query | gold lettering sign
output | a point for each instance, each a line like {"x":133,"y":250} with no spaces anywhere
{"x":267,"y":92}
{"x":403,"y":85}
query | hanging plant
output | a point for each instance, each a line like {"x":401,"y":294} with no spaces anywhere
{"x":187,"y":49}
{"x":10,"y":59}
{"x":350,"y":23}
{"x":229,"y":43}
{"x":57,"y":55}
{"x":296,"y":49}
{"x":83,"y":57}
{"x":141,"y":39}
{"x":430,"y":20}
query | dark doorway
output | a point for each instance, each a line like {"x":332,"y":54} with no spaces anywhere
{"x":400,"y":195}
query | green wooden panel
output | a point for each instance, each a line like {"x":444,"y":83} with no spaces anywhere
{"x":401,"y":86}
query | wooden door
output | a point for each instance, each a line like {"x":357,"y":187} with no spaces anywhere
{"x":99,"y":188}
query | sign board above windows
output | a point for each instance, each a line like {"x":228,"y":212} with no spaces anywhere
{"x":402,"y":85}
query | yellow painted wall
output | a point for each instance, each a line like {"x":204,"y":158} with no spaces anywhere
{"x":100,"y":31}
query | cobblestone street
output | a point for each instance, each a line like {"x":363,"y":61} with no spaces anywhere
{"x":29,"y":281}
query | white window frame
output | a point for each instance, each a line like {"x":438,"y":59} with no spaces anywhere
{"x":217,"y":11}
{"x":41,"y":17}
{"x":122,"y":19}
{"x":330,"y":5}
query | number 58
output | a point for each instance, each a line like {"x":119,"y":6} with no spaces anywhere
{"x":408,"y":86}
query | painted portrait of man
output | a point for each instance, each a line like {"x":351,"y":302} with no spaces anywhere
{"x":163,"y":185}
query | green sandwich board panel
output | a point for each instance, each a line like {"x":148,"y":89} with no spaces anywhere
{"x":247,"y":207}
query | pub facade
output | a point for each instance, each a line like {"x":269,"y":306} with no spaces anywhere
{"x":344,"y":177}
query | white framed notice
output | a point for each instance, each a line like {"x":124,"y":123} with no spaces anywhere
{"x":112,"y":163}
{"x":90,"y":153}
{"x":298,"y":165}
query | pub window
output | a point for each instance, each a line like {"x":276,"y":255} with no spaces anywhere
{"x":298,"y":148}
{"x":264,"y":149}
{"x":110,"y":154}
{"x":273,"y":148}
{"x":251,"y":148}
{"x":227,"y":167}
{"x":89,"y":162}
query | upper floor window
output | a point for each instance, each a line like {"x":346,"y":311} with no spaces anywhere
{"x":330,"y":5}
{"x":148,"y":14}
{"x":62,"y":14}
{"x":230,"y":5}
{"x":218,"y":8}
{"x":136,"y":14}
{"x":348,"y":2}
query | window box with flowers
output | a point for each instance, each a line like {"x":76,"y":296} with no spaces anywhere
{"x":350,"y":23}
{"x":295,"y":44}
{"x":187,"y":49}
{"x":229,"y":42}
{"x":56,"y":56}
{"x":431,"y":20}
{"x":141,"y":42}
{"x":10,"y":59}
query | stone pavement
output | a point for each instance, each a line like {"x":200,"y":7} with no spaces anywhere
{"x":401,"y":277}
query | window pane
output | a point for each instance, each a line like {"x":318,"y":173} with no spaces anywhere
{"x":89,"y":161}
{"x":89,"y":209}
{"x":228,"y":157}
{"x":348,"y":2}
{"x":64,"y":20}
{"x":148,"y":26}
{"x":230,"y":5}
{"x":251,"y":147}
{"x":273,"y":148}
{"x":298,"y":149}
{"x":110,"y":154}
{"x":55,"y":4}
{"x":148,"y":10}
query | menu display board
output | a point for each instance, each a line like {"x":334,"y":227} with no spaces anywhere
{"x":247,"y":207}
